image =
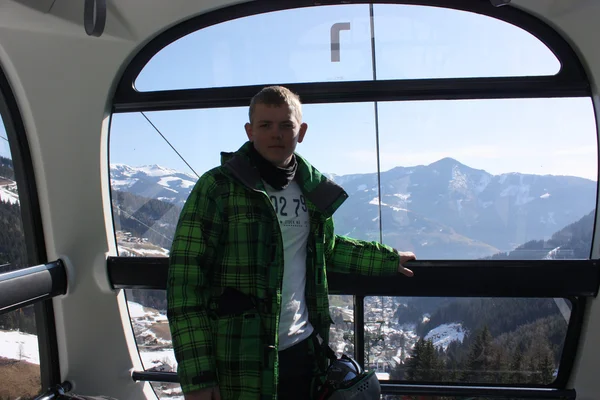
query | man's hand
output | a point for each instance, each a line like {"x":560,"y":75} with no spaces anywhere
{"x":404,"y":257}
{"x":204,"y":394}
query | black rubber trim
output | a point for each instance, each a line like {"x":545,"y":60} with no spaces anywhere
{"x":31,"y":218}
{"x":47,"y":342}
{"x":468,"y":278}
{"x":495,"y":392}
{"x":572,"y":72}
{"x":24,"y":174}
{"x":359,"y":329}
{"x":31,"y":285}
{"x":359,"y":91}
{"x":572,"y":341}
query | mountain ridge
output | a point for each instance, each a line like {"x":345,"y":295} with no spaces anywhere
{"x":442,"y":210}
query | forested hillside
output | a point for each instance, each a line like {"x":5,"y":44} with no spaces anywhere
{"x":6,"y":168}
{"x":572,"y":242}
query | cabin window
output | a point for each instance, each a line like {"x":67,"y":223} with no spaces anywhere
{"x":467,"y":340}
{"x":461,"y":179}
{"x":480,"y":146}
{"x":299,"y":45}
{"x":19,"y":355}
{"x":449,"y":189}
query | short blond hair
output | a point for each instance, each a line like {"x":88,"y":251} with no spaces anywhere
{"x":277,"y":96}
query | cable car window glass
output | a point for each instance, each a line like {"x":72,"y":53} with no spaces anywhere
{"x":283,"y":46}
{"x":334,"y":43}
{"x":148,"y":315}
{"x":150,"y":180}
{"x":420,"y":42}
{"x":466,"y":159}
{"x":462,"y":179}
{"x":19,"y":354}
{"x":470,"y":340}
{"x":470,"y":179}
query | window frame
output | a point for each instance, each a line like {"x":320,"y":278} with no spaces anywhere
{"x":34,"y":239}
{"x":543,"y":278}
{"x":570,"y":81}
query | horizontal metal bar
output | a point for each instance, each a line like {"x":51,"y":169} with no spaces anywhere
{"x":474,"y":278}
{"x":359,"y":91}
{"x":498,"y":392}
{"x":150,"y":376}
{"x":30,"y":285}
{"x":460,"y":278}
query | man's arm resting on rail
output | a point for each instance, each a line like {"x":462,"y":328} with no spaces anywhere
{"x":353,"y":256}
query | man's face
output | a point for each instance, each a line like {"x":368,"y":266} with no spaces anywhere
{"x":275,"y":132}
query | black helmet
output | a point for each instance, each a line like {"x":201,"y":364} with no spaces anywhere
{"x":345,"y":379}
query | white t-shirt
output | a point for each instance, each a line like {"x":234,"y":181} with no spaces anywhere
{"x":294,"y":222}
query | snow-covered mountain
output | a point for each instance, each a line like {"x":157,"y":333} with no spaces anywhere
{"x":441,"y":210}
{"x":449,"y":210}
{"x":153,"y":181}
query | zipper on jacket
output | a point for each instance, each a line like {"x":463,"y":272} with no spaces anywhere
{"x":273,"y":260}
{"x":319,"y":270}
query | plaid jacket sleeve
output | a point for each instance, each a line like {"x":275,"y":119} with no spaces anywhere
{"x":193,"y":254}
{"x":347,"y":255}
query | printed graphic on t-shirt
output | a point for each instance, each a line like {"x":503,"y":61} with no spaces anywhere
{"x":291,"y":210}
{"x":292,"y":213}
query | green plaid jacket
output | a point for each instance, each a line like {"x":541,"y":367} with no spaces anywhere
{"x":228,"y":237}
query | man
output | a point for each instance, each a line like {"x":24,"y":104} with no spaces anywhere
{"x":247,"y":287}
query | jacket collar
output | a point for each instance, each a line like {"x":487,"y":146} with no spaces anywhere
{"x":326,"y":195}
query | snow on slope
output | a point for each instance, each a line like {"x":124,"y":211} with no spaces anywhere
{"x":164,"y":181}
{"x":444,"y":334}
{"x":17,"y":345}
{"x":8,"y":196}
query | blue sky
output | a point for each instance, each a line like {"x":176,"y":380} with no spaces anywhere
{"x":538,"y":136}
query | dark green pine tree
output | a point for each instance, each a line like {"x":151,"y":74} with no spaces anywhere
{"x":546,"y":369}
{"x":479,"y":359}
{"x":534,"y":372}
{"x":498,"y":368}
{"x":430,"y":367}
{"x":414,"y":361}
{"x":424,"y":363}
{"x":516,"y":367}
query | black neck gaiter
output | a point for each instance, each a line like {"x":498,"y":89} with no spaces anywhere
{"x":277,"y":177}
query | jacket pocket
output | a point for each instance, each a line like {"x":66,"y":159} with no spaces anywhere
{"x":238,"y":353}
